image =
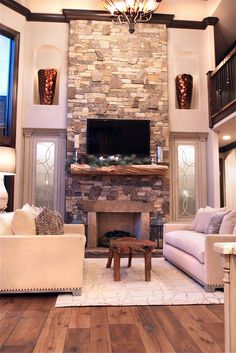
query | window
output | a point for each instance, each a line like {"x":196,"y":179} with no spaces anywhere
{"x":9,"y":53}
{"x":188,"y":175}
{"x":186,"y":180}
{"x":44,"y":168}
{"x":45,"y":174}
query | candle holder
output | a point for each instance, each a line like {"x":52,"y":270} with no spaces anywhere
{"x":76,"y":155}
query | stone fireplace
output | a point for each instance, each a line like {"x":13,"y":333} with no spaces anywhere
{"x":115,"y":75}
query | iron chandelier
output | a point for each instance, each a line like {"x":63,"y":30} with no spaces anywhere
{"x":131,"y":11}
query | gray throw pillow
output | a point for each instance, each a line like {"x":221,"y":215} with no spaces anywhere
{"x":214,"y":224}
{"x":49,"y":222}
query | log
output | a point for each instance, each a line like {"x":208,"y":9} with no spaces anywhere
{"x":150,"y":169}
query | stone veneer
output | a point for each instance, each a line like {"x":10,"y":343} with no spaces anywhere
{"x":113,"y":74}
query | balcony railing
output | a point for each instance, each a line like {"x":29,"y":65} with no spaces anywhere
{"x":222,"y":89}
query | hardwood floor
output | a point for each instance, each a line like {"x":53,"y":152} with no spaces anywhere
{"x":31,"y":324}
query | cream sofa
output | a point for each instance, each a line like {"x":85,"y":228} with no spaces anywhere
{"x":193,"y":253}
{"x":42,"y":263}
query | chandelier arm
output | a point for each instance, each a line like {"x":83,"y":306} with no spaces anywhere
{"x":130,"y":12}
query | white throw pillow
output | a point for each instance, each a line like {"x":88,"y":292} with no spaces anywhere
{"x":23,"y":223}
{"x":5,"y":223}
{"x":196,"y":219}
{"x":228,"y":223}
{"x":34,"y":210}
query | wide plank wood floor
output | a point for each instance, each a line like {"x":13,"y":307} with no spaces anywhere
{"x":32,"y":324}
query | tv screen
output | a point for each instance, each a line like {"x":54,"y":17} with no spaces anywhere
{"x":107,"y":137}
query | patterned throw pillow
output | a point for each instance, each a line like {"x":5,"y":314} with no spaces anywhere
{"x":214,"y":224}
{"x":49,"y":222}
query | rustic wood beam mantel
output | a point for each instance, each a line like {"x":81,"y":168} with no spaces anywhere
{"x":152,"y":169}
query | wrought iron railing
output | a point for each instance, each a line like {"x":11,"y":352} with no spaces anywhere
{"x":222,"y":89}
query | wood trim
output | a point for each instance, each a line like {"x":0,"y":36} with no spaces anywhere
{"x":211,"y":98}
{"x":46,"y":17}
{"x":223,"y":62}
{"x":93,"y":15}
{"x":15,"y":6}
{"x":102,"y":15}
{"x":228,"y":147}
{"x":224,"y":112}
{"x":222,"y":189}
{"x":208,"y":21}
{"x":11,"y":140}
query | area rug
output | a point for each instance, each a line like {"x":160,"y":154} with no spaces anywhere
{"x":168,"y":286}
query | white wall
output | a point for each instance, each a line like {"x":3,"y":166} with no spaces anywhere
{"x":188,"y":53}
{"x":213,"y":171}
{"x":192,"y":52}
{"x":17,"y":22}
{"x":46,"y":47}
{"x":230,"y":180}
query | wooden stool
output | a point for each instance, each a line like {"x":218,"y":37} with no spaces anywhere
{"x":129,"y":246}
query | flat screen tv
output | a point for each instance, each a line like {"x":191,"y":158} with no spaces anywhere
{"x":106,"y":137}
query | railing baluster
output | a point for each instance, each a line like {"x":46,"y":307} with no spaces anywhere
{"x":222,"y":89}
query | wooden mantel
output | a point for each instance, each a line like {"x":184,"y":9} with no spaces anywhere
{"x":149,"y":169}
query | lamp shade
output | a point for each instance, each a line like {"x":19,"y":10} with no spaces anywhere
{"x":7,"y":160}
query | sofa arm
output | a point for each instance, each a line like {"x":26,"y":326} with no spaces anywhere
{"x":169,"y":227}
{"x":74,"y":228}
{"x":213,"y":260}
{"x":41,"y":262}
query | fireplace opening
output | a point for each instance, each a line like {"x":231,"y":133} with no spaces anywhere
{"x":104,"y":241}
{"x":123,"y":222}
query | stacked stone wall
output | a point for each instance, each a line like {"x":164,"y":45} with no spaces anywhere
{"x":113,"y":74}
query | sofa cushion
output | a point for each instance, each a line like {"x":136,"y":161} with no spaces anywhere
{"x":196,"y":219}
{"x":214,"y":224}
{"x":49,"y":222}
{"x":23,"y":223}
{"x":5,"y":223}
{"x":228,"y":223}
{"x":205,"y":217}
{"x":189,"y":241}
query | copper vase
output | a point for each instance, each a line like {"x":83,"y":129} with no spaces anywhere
{"x":46,"y":85}
{"x":184,"y":90}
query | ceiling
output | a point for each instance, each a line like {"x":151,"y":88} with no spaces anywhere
{"x":227,"y":128}
{"x":194,"y":10}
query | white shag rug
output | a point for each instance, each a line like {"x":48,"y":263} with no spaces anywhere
{"x":168,"y":286}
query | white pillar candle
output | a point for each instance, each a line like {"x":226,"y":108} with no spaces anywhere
{"x":76,"y":141}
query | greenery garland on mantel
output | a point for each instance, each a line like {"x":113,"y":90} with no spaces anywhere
{"x":95,"y":161}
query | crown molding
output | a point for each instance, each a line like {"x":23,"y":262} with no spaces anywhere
{"x":208,"y":21}
{"x":99,"y":15}
{"x":227,"y":148}
{"x":15,"y":6}
{"x":46,"y":17}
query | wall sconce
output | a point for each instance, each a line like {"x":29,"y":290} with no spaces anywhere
{"x":7,"y":167}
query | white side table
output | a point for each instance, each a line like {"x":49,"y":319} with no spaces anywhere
{"x":228,"y":251}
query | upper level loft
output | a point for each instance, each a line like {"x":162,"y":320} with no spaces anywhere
{"x":222,"y":89}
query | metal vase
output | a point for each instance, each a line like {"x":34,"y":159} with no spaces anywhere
{"x":184,"y":90}
{"x":46,"y":85}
